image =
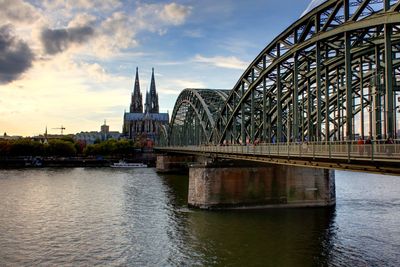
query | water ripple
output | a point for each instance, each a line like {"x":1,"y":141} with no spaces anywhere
{"x":107,"y":217}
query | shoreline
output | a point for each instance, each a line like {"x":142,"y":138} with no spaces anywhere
{"x":71,"y":162}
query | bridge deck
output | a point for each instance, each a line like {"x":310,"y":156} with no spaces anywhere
{"x":376,"y":158}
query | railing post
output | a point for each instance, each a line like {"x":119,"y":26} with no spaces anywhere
{"x":301,"y":149}
{"x":348,"y":150}
{"x":329,"y":147}
{"x":372,"y":149}
{"x":313,"y":148}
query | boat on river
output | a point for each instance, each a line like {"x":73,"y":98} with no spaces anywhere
{"x":123,"y":164}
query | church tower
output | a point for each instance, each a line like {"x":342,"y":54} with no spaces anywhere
{"x":147,"y":104}
{"x":136,"y":101}
{"x":147,"y":125}
{"x":153,"y":97}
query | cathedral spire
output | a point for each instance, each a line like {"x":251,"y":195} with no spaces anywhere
{"x":136,"y":101}
{"x":147,"y":104}
{"x":153,"y":95}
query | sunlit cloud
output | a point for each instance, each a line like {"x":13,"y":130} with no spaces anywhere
{"x":81,"y":5}
{"x":50,"y":95}
{"x":222,"y":62}
{"x":17,"y":12}
{"x":156,"y":17}
{"x":73,"y":62}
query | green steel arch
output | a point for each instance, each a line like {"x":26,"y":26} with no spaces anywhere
{"x":194,"y":115}
{"x":163,"y":135}
{"x":333,"y":73}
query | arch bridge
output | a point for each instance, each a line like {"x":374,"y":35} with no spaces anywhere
{"x":330,"y":78}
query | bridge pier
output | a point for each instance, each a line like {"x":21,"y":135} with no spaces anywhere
{"x":173,"y":163}
{"x":223,"y":186}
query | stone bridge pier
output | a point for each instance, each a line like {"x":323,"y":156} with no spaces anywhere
{"x":224,"y":184}
{"x":170,"y":163}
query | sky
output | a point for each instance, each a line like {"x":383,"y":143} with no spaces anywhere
{"x":73,"y":62}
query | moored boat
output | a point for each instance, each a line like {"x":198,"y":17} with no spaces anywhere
{"x":123,"y":164}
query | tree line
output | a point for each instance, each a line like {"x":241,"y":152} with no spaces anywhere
{"x":67,"y":147}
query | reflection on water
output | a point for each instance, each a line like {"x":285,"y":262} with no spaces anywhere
{"x":272,"y":238}
{"x":139,"y":218}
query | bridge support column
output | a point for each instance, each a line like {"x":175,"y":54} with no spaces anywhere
{"x":173,"y":163}
{"x":219,"y":187}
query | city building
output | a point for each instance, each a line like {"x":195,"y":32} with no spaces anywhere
{"x":45,"y":137}
{"x":139,"y":124}
{"x":8,"y":137}
{"x":94,"y":136}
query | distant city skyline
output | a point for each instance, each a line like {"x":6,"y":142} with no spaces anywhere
{"x":73,"y":63}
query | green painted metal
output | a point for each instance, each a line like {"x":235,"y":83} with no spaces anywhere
{"x":193,"y":119}
{"x":319,"y":80}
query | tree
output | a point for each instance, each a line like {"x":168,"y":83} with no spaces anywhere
{"x":4,"y":148}
{"x":25,"y":147}
{"x":111,"y":148}
{"x":59,"y":147}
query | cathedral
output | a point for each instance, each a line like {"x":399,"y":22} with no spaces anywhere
{"x":144,"y":124}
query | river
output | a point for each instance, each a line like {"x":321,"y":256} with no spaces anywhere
{"x":136,"y":217}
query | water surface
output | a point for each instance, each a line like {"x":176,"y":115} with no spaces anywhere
{"x":136,"y":217}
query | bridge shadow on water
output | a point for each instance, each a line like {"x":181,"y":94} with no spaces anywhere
{"x":269,"y":237}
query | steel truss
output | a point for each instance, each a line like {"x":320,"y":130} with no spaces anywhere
{"x":332,"y":74}
{"x":194,"y":115}
{"x":163,"y":135}
{"x":328,"y":75}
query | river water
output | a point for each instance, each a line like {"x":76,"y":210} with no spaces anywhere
{"x":136,"y":217}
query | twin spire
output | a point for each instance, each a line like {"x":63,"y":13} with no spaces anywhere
{"x":151,"y":104}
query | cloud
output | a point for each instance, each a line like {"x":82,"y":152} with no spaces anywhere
{"x":85,"y":89}
{"x":81,"y":4}
{"x":155,"y":17}
{"x":15,"y":56}
{"x":81,"y":20}
{"x":17,"y":12}
{"x":58,"y":40}
{"x":174,"y":14}
{"x":222,"y":62}
{"x":119,"y":31}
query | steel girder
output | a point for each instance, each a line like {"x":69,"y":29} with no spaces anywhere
{"x":163,"y":135}
{"x":331,"y":74}
{"x":194,"y":115}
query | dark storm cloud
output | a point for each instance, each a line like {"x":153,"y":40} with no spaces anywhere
{"x":58,"y":40}
{"x":15,"y":56}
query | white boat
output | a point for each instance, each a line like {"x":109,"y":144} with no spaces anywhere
{"x":123,"y":164}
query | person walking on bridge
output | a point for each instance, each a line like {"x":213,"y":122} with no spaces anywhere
{"x":368,"y":146}
{"x":389,"y":146}
{"x":360,"y":144}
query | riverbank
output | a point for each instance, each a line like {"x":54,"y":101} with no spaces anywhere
{"x":70,"y":162}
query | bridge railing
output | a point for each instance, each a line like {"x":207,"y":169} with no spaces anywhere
{"x":332,"y":150}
